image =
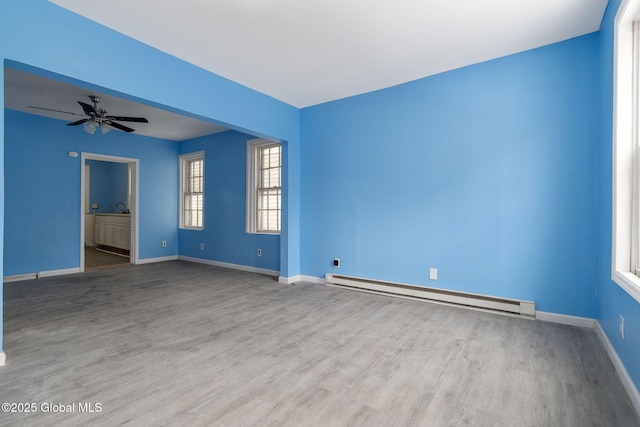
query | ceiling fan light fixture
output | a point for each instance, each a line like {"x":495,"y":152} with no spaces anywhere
{"x":90,"y":127}
{"x":98,"y":117}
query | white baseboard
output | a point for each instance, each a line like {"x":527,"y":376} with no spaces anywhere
{"x":62,"y":272}
{"x":3,"y":359}
{"x":565,"y":319}
{"x":627,"y":382}
{"x":301,"y":278}
{"x":230,"y":265}
{"x":158,"y":259}
{"x":585,"y":322}
{"x":19,"y":277}
{"x":313,"y":279}
{"x":289,"y":280}
{"x":31,"y":276}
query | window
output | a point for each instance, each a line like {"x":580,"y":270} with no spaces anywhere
{"x":264,"y":186}
{"x":626,"y":165}
{"x":192,"y":190}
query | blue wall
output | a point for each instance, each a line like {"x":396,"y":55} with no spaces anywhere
{"x":613,"y":301}
{"x":42,"y":183}
{"x":498,"y":174}
{"x":224,"y":233}
{"x":39,"y":33}
{"x":109,"y":185}
{"x":487,"y":173}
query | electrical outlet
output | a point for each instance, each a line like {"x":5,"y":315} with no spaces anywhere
{"x":336,"y":262}
{"x":621,"y":327}
{"x":202,"y":246}
{"x":433,"y":274}
{"x":259,"y":252}
{"x":164,"y":243}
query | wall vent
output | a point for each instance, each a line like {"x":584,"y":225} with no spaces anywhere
{"x":441,"y":296}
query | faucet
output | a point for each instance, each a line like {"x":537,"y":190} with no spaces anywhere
{"x":123,"y":206}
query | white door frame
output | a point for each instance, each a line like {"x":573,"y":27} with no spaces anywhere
{"x":135,"y":169}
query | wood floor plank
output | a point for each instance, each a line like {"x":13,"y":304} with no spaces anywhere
{"x":186,"y":344}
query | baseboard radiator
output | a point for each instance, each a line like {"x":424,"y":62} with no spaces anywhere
{"x":443,"y":296}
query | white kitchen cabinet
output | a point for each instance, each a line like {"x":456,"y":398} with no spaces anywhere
{"x":113,"y":230}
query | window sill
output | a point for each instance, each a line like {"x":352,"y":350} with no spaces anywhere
{"x":268,"y":233}
{"x":629,"y":282}
{"x":192,"y":228}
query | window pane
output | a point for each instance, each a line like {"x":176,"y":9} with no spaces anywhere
{"x":266,"y":173}
{"x":195,"y":177}
{"x":274,"y":159}
{"x":193,"y":196}
{"x":273,"y":201}
{"x":193,"y":210}
{"x":268,"y":194}
{"x":269,"y":210}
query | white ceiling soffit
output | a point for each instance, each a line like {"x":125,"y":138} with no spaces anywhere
{"x":23,"y":90}
{"x":313,"y":51}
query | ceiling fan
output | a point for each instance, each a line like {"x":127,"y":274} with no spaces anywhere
{"x":97,"y":117}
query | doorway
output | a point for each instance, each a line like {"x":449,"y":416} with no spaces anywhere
{"x":109,"y":218}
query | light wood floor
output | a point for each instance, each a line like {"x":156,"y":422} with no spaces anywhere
{"x":186,"y":344}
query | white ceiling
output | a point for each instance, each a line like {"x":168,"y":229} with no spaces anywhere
{"x":23,"y":90}
{"x":306,"y":52}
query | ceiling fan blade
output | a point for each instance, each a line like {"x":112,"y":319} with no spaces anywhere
{"x":128,"y":119}
{"x":57,"y":111}
{"x":118,"y":126}
{"x":79,"y":122}
{"x":88,"y":109}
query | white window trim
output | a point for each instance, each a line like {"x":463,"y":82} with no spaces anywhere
{"x":251,"y":226}
{"x":184,"y":158}
{"x":624,"y":209}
